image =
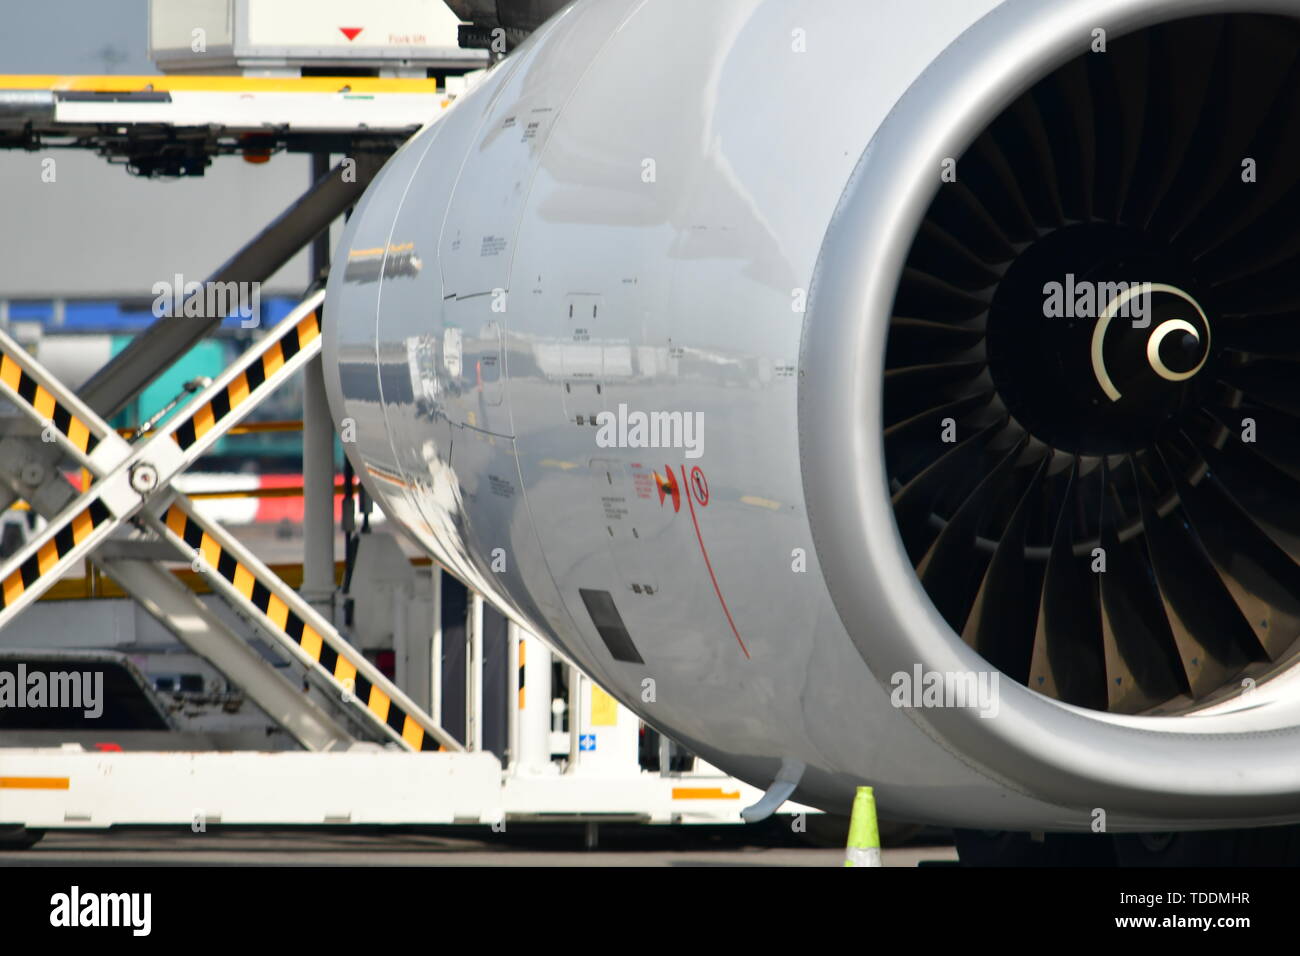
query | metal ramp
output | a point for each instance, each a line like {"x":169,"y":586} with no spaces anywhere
{"x":131,"y":482}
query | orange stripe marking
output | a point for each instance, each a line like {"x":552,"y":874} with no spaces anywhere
{"x":47,"y":556}
{"x":43,"y":402}
{"x":412,"y":733}
{"x":704,"y":793}
{"x":273,"y":360}
{"x":379,"y":703}
{"x":203,"y":421}
{"x":278,"y":612}
{"x":81,"y":527}
{"x":78,"y":434}
{"x":35,"y":783}
{"x":10,"y":372}
{"x":210,"y":550}
{"x":243,"y":581}
{"x":176,"y":521}
{"x":311,"y":642}
{"x":237,"y":390}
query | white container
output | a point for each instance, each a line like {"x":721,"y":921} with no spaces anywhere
{"x":284,"y":37}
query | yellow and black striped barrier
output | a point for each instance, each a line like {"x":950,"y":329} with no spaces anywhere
{"x":17,"y":380}
{"x":125,"y":480}
{"x":236,"y":392}
{"x":333,"y":655}
{"x":53,"y":406}
{"x":68,"y":537}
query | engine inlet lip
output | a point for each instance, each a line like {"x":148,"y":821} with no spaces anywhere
{"x":1196,"y":770}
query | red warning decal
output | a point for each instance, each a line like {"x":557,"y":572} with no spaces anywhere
{"x":668,"y":488}
{"x":351,"y":32}
{"x":700,"y":485}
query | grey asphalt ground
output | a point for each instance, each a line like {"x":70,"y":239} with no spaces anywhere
{"x":445,"y":847}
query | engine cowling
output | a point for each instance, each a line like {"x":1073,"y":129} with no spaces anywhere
{"x":710,"y":342}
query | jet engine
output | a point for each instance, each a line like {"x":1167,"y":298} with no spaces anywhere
{"x":895,"y":394}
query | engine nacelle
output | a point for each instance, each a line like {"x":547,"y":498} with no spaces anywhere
{"x":703,"y":339}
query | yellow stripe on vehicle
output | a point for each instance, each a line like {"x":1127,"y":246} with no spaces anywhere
{"x":704,"y":793}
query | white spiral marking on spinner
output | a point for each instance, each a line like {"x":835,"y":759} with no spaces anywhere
{"x":1153,"y":343}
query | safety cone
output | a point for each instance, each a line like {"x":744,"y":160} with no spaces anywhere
{"x":864,"y":834}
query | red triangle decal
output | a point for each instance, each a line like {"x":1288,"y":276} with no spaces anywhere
{"x":351,"y":32}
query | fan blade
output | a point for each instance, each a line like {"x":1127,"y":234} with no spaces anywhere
{"x":1256,"y":60}
{"x":1266,"y":380}
{"x":1000,"y":626}
{"x":1263,"y":581}
{"x":925,"y":428}
{"x":1208,"y":629}
{"x":920,"y":293}
{"x":949,"y":571}
{"x":1119,"y":88}
{"x":1261,"y":293}
{"x":1067,"y":107}
{"x":1196,"y":163}
{"x":1241,"y":205}
{"x":1020,"y":132}
{"x":936,"y":251}
{"x":1068,"y":661}
{"x":1270,"y":242}
{"x":1176,"y":115}
{"x":914,"y":502}
{"x":921,"y":342}
{"x":1142,"y":665}
{"x":985,"y":169}
{"x":918,"y":388}
{"x":1267,"y":335}
{"x":1276,"y":436}
{"x":959,"y":212}
{"x":1262,"y":491}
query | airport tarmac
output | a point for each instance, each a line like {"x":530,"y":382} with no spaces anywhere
{"x":531,"y":846}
